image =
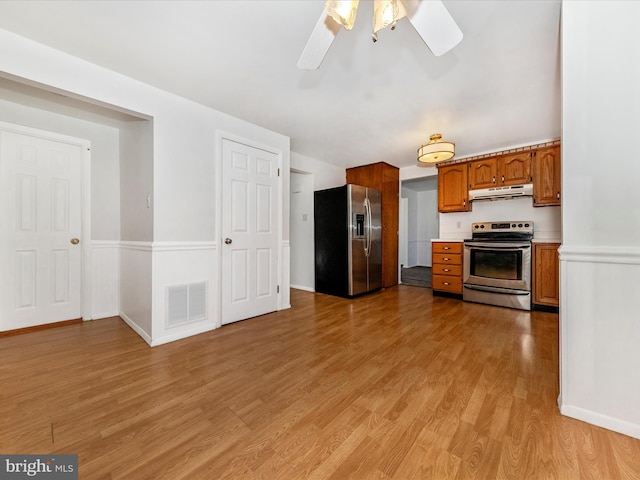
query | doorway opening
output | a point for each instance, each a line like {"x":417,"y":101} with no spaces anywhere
{"x":419,"y":224}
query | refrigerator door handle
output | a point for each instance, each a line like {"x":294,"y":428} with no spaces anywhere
{"x":367,"y":207}
{"x":366,"y":228}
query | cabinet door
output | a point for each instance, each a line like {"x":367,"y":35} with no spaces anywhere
{"x":514,"y":169}
{"x":453,"y":190}
{"x":546,"y":270}
{"x":482,"y":173}
{"x":546,"y":176}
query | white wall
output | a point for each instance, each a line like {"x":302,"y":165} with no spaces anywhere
{"x":186,"y":165}
{"x":412,"y":227}
{"x":600,"y":256}
{"x":105,"y":188}
{"x":302,"y":263}
{"x":136,"y":181}
{"x":308,"y":175}
{"x":24,"y":109}
{"x":547,"y":220}
{"x":428,"y":224}
{"x":422,"y":205}
{"x":324,"y":174}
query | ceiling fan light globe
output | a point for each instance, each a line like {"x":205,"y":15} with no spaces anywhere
{"x":342,"y":11}
{"x":387,"y":12}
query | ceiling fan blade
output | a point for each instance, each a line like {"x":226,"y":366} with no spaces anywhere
{"x":319,"y":42}
{"x":435,"y":25}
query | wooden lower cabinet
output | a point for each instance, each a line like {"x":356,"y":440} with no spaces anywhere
{"x":446,"y":267}
{"x":546,"y":274}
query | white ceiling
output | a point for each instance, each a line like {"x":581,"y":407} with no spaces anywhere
{"x":368,"y":102}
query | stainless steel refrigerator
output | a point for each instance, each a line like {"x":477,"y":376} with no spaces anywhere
{"x":348,"y":240}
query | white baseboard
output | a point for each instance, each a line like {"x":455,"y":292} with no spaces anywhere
{"x":302,"y":287}
{"x":180,"y":335}
{"x":136,"y":328}
{"x":99,"y":315}
{"x":600,"y":420}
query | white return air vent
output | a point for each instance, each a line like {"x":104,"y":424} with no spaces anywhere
{"x":186,"y":303}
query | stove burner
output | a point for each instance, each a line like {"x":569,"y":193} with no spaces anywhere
{"x":502,"y":231}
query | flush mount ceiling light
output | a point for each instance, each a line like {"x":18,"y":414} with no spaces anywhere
{"x":437,"y":150}
{"x":430,"y":18}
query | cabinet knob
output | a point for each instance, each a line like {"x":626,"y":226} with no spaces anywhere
{"x":445,"y":248}
{"x":446,"y":259}
{"x":446,"y":270}
{"x":445,"y":283}
{"x":558,"y":195}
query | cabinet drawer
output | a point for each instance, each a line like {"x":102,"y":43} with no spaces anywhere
{"x":447,"y":258}
{"x":439,"y":269}
{"x":446,"y":247}
{"x":446,"y":283}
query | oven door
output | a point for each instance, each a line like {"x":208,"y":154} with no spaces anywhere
{"x":498,"y":264}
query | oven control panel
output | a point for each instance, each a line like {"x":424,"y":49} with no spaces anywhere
{"x":520,"y":226}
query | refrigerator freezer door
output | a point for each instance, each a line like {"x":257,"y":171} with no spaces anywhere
{"x":375,"y":232}
{"x":358,"y":231}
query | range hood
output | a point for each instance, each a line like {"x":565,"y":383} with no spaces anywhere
{"x":497,"y":193}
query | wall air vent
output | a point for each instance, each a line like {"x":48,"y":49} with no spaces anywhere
{"x":186,"y":303}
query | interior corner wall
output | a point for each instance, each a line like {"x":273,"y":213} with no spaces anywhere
{"x":104,"y":288}
{"x":302,"y":231}
{"x":325,"y":175}
{"x":600,"y":255}
{"x":309,"y":175}
{"x":412,"y":227}
{"x":105,"y":187}
{"x":185,"y":161}
{"x":136,"y":181}
{"x":428,"y":224}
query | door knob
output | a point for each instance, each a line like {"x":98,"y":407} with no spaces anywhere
{"x":228,"y":241}
{"x":75,"y":241}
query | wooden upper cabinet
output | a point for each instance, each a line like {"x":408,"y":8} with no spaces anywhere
{"x":546,"y":176}
{"x":386,"y":178}
{"x":510,"y":169}
{"x":514,"y":169}
{"x":483,"y":173}
{"x":453,"y":188}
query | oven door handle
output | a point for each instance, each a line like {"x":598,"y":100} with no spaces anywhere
{"x":504,"y":246}
{"x":504,"y":291}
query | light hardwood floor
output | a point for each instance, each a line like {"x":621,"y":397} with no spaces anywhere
{"x":394,"y":385}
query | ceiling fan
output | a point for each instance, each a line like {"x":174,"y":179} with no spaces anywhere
{"x":430,"y":18}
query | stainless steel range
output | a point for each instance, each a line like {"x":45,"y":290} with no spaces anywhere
{"x":497,"y":264}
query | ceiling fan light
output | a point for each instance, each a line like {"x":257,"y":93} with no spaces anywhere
{"x":343,"y":12}
{"x":436,"y":150}
{"x":385,"y":13}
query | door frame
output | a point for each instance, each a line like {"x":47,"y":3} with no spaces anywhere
{"x":219,"y":138}
{"x":85,"y":207}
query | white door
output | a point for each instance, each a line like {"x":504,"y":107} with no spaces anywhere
{"x":249,"y":232}
{"x":40,"y":207}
